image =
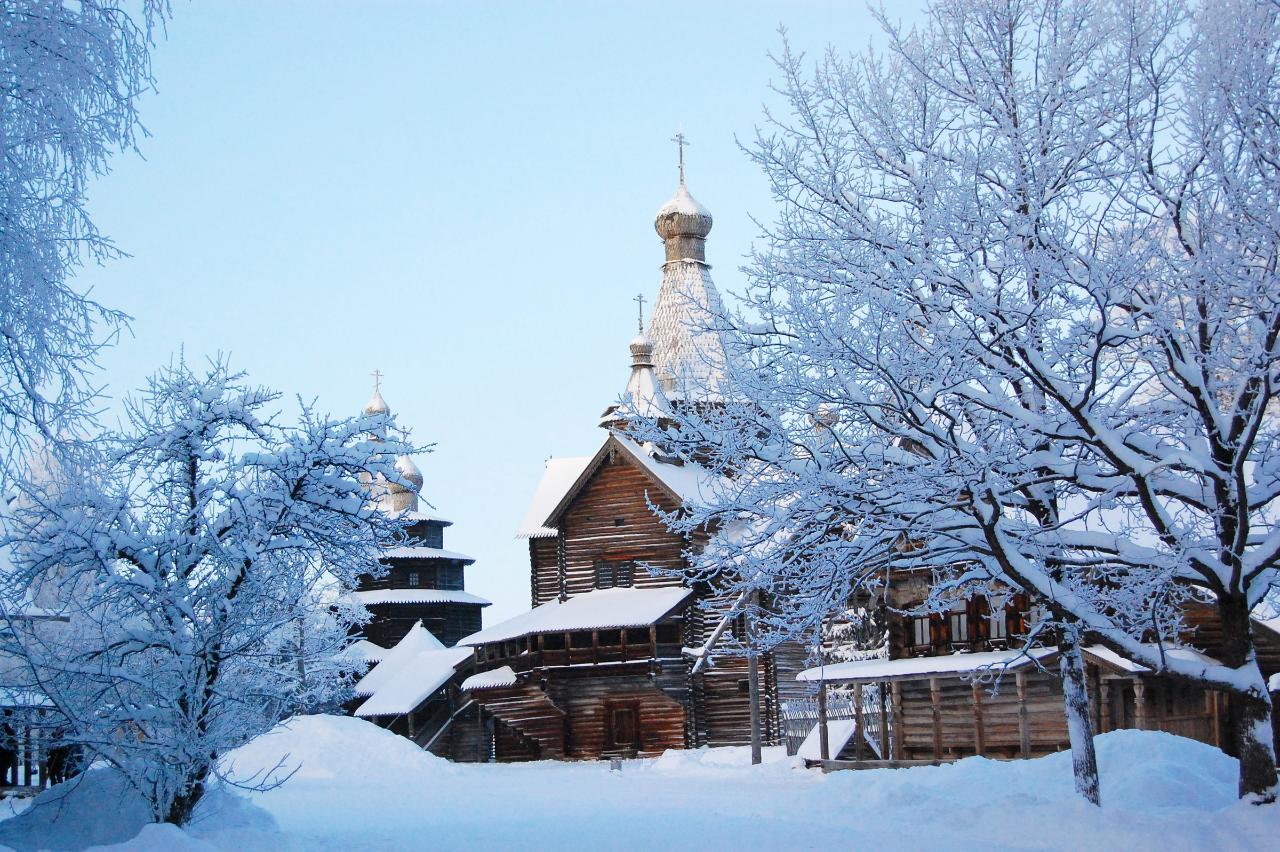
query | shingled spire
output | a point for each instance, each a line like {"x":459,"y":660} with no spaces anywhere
{"x":689,"y":359}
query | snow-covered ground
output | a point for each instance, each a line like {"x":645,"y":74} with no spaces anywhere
{"x":359,"y":788}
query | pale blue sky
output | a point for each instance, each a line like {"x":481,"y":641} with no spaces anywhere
{"x":460,"y":195}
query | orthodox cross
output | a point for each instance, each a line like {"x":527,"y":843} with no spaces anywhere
{"x":639,"y":300}
{"x":681,"y":142}
{"x":377,"y":380}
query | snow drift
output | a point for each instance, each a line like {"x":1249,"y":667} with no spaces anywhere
{"x":355,"y":786}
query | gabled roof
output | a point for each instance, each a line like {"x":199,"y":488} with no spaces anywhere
{"x":417,"y":640}
{"x":414,"y":682}
{"x":683,"y":483}
{"x":602,"y":609}
{"x":557,"y":478}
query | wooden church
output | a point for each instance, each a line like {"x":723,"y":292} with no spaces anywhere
{"x":602,"y":664}
{"x":420,"y":608}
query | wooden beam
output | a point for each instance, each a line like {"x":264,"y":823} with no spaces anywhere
{"x":859,"y":727}
{"x":824,"y":740}
{"x":898,"y":722}
{"x":1024,"y":727}
{"x":1140,"y":704}
{"x":935,"y":698}
{"x":1104,"y":699}
{"x":884,"y":724}
{"x":979,"y":730}
{"x":1216,"y":698}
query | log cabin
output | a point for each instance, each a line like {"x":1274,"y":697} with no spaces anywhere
{"x":964,"y":682}
{"x":600,"y":666}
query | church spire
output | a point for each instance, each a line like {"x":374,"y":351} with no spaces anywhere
{"x":686,"y":354}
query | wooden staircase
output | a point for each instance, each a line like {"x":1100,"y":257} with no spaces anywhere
{"x":527,"y":711}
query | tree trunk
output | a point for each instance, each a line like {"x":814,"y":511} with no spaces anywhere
{"x":182,"y":806}
{"x":1248,"y":711}
{"x":1075,"y":699}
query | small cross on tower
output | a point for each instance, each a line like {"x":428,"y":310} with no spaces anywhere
{"x":377,"y":380}
{"x":680,"y":141}
{"x":639,"y":300}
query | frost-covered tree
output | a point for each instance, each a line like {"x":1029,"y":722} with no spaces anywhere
{"x":1018,"y":321}
{"x":198,"y":563}
{"x":70,"y":78}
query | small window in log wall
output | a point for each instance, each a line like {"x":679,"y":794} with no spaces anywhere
{"x":414,"y":579}
{"x":614,"y":573}
{"x":610,"y":638}
{"x":553,"y":641}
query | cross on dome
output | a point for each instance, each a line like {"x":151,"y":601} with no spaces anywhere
{"x":681,"y":141}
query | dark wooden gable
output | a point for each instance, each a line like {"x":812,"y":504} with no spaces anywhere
{"x":606,"y":530}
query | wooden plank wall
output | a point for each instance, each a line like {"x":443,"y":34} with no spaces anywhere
{"x":1001,"y":738}
{"x":448,"y":622}
{"x":587,"y":700}
{"x":590,"y":530}
{"x":544,"y":578}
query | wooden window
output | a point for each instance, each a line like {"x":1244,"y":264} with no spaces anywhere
{"x":920,"y":631}
{"x":958,"y":623}
{"x":553,"y":641}
{"x":580,"y":639}
{"x":614,"y":573}
{"x":415,"y":579}
{"x":610,"y":638}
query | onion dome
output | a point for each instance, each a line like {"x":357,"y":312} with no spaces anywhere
{"x":377,"y":405}
{"x":407,"y":469}
{"x":682,"y":216}
{"x":642,"y":351}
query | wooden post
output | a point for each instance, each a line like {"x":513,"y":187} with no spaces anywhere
{"x":1214,"y":697}
{"x":1104,"y":698}
{"x":898,"y":727}
{"x":935,"y":697}
{"x":653,"y":641}
{"x":824,"y":740}
{"x":884,"y":724}
{"x":859,"y":727}
{"x":595,"y":646}
{"x":979,"y":730}
{"x":1139,"y":704}
{"x":1024,"y":727}
{"x":753,"y":685}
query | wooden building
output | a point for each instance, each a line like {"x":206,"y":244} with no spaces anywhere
{"x":963,"y":682}
{"x":600,"y":666}
{"x":420,"y":608}
{"x":424,"y":583}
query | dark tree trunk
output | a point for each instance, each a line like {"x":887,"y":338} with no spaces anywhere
{"x":1248,"y":711}
{"x":1075,"y":699}
{"x":184,"y":804}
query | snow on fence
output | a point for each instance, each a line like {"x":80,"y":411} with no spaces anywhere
{"x":800,"y":717}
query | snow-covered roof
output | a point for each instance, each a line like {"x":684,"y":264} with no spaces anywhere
{"x":557,"y":479}
{"x":418,"y":596}
{"x":601,"y":609}
{"x":689,"y":482}
{"x":417,"y":640}
{"x":417,"y":515}
{"x":504,"y":676}
{"x":414,"y":682}
{"x":923,"y":667}
{"x":417,"y":551}
{"x":839,"y":732}
{"x":366,"y":651}
{"x":1106,"y":656}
